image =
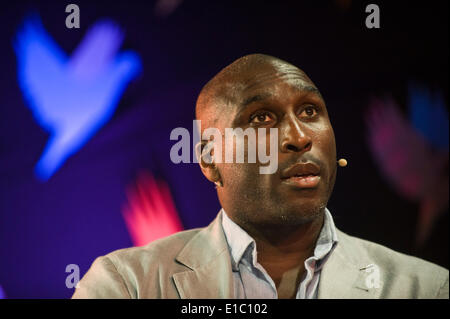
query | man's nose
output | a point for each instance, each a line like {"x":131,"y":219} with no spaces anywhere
{"x":294,"y":138}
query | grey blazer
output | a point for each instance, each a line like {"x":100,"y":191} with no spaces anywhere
{"x":196,"y":264}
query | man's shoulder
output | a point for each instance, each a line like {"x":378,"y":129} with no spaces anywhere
{"x":388,"y":257}
{"x":394,"y":266}
{"x":136,"y":272}
{"x":160,"y":250}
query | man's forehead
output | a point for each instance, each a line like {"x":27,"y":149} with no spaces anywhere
{"x":270,"y":75}
{"x":265,"y":83}
{"x":263,"y":93}
{"x":273,"y":81}
{"x":252,"y":78}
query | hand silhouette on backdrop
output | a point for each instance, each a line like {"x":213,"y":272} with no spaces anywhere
{"x":150,"y":213}
{"x":407,"y":156}
{"x":71,"y":98}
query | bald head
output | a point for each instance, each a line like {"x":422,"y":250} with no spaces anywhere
{"x":224,"y":89}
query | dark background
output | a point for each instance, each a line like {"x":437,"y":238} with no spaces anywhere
{"x":75,"y":216}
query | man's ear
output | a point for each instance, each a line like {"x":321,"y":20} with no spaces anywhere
{"x":204,"y":151}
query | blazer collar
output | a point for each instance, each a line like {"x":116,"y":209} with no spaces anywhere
{"x":347,"y":274}
{"x":207,"y":256}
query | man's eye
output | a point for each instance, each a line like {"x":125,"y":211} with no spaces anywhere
{"x":261,"y":118}
{"x":308,"y":112}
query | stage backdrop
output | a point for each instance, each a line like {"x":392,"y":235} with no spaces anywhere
{"x":89,"y":102}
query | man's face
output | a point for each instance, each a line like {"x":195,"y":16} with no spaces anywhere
{"x":282,"y":97}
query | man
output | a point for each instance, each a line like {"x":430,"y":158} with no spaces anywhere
{"x":274,"y":237}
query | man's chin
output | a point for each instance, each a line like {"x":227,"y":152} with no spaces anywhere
{"x":293,"y":216}
{"x":301,"y":216}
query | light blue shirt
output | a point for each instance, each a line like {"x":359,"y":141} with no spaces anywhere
{"x":251,"y":281}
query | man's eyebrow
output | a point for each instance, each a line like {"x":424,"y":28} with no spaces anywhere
{"x":252,"y":99}
{"x":255,"y":98}
{"x":312,"y":89}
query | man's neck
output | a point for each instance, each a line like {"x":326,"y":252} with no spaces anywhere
{"x":283,"y":251}
{"x":281,"y":242}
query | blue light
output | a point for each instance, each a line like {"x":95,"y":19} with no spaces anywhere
{"x":71,"y":97}
{"x":2,"y":293}
{"x":428,"y":114}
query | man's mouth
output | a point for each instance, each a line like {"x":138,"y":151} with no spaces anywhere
{"x":303,"y":181}
{"x":302,"y":175}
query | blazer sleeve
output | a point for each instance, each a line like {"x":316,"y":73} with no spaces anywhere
{"x":102,"y":281}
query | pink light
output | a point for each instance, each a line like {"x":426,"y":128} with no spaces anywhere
{"x":150,"y":213}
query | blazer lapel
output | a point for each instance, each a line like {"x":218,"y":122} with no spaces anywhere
{"x":210,"y":273}
{"x":349,"y":275}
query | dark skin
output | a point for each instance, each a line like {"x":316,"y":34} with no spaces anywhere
{"x":284,"y":220}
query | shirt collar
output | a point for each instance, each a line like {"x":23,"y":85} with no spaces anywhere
{"x":326,"y":241}
{"x":239,"y":241}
